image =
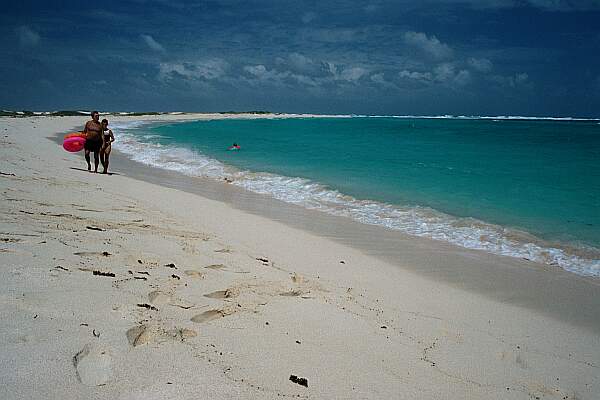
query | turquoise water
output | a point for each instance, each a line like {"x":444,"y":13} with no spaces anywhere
{"x":527,"y":188}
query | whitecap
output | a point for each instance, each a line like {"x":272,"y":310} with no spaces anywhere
{"x":470,"y":233}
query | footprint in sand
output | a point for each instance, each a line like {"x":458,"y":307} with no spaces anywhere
{"x":183,"y":333}
{"x":208,"y":316}
{"x":139,"y":335}
{"x":292,"y":293}
{"x":223,"y":294}
{"x":194,"y":274}
{"x":158,"y":297}
{"x":215,"y":266}
{"x":93,"y":366}
{"x":10,"y":240}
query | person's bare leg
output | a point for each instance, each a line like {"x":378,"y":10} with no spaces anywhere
{"x":102,"y":157}
{"x":87,"y":159}
{"x":106,"y":157}
{"x":96,"y":160}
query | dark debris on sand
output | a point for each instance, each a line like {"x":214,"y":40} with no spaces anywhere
{"x":94,"y":228}
{"x":148,"y":306}
{"x":100,"y":273}
{"x":299,"y":381}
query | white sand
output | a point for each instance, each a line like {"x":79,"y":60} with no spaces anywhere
{"x":222,"y":324}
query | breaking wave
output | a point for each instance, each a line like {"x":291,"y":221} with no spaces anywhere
{"x":419,"y":221}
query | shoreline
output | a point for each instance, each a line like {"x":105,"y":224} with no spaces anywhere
{"x":537,"y":285}
{"x":425,"y":318}
{"x":498,"y":234}
{"x":519,"y":282}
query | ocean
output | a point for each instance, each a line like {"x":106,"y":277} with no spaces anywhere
{"x":527,"y":188}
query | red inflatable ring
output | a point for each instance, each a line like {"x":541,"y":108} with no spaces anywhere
{"x":74,"y":144}
{"x":75,"y":134}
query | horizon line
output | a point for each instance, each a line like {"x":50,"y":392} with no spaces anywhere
{"x":8,"y":113}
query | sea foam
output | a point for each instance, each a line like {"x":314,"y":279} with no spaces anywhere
{"x":413,"y":220}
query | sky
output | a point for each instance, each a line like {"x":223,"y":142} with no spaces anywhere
{"x":379,"y":57}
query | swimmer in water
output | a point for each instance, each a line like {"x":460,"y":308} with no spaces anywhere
{"x":234,"y":146}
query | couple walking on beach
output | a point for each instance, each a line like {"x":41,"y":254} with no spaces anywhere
{"x":98,"y":141}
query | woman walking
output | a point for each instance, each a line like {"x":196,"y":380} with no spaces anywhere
{"x":107,"y":139}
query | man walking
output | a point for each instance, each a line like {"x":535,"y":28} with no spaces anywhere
{"x":93,"y":142}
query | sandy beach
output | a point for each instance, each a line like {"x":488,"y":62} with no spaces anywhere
{"x":150,"y":285}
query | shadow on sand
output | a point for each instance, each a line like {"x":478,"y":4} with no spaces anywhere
{"x":85,"y":170}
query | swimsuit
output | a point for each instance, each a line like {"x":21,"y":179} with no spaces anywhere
{"x":106,"y":134}
{"x":93,"y":144}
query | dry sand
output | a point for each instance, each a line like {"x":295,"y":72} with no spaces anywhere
{"x":116,"y":288}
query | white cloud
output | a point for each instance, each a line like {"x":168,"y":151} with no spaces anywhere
{"x":153,"y":44}
{"x":352,"y":74}
{"x":462,"y":78}
{"x":302,"y":63}
{"x":262,"y":74}
{"x":429,"y":45}
{"x":206,"y":70}
{"x":27,"y":36}
{"x":316,"y":72}
{"x":349,"y":74}
{"x":273,"y":76}
{"x":305,"y":80}
{"x":519,"y":79}
{"x":379,"y":78}
{"x":331,"y":68}
{"x":566,"y":5}
{"x":415,"y":75}
{"x":480,"y":64}
{"x":444,"y":72}
{"x":256,"y":70}
{"x":323,"y":74}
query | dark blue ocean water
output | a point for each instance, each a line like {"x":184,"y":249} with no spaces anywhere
{"x":527,"y":188}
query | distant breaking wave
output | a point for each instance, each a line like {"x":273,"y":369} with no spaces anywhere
{"x":13,"y":113}
{"x":413,"y":220}
{"x":477,"y":117}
